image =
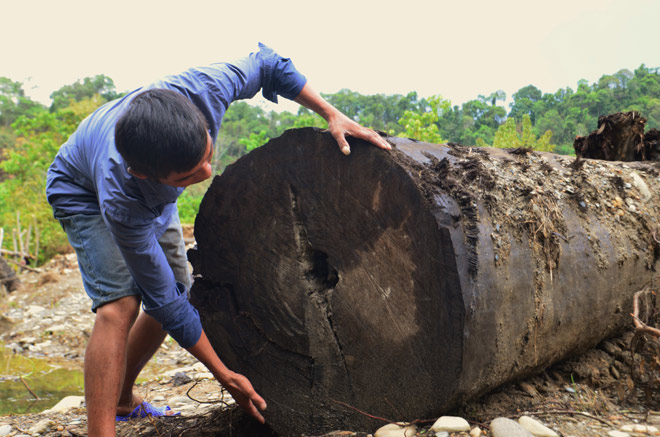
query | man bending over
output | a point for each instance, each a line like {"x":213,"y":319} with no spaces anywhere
{"x":113,"y":186}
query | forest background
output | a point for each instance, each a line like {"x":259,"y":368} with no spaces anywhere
{"x":31,"y":133}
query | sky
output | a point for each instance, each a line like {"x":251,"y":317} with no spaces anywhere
{"x":459,"y":49}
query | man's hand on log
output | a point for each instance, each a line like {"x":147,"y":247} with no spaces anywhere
{"x":339,"y":124}
{"x":245,"y":396}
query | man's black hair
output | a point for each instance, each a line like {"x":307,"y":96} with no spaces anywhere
{"x":161,"y":131}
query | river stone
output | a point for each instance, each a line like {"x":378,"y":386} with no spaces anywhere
{"x":476,"y":432}
{"x":41,"y":427}
{"x":503,"y":427}
{"x":176,"y":400}
{"x":641,"y":185}
{"x":203,"y":375}
{"x":66,"y":404}
{"x":450,"y":424}
{"x":536,"y":427}
{"x":394,"y":430}
{"x":199,"y":367}
{"x":180,"y":378}
{"x":33,"y":310}
{"x":5,"y":429}
{"x":618,"y":434}
{"x":171,"y":373}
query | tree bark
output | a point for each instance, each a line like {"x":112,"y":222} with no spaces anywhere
{"x":400,"y":283}
{"x":620,"y":137}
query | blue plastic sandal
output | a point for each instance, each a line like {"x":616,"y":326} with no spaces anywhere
{"x":146,"y":409}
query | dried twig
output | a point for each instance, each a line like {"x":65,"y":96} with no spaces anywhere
{"x":639,"y":325}
{"x":28,"y":388}
{"x":219,"y":401}
{"x":362,"y":412}
{"x":12,"y":253}
{"x":153,"y":422}
{"x":591,"y":416}
{"x":23,"y":266}
{"x":36,"y":242}
{"x":19,"y":232}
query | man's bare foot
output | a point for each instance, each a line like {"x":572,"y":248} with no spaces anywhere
{"x":126,"y":409}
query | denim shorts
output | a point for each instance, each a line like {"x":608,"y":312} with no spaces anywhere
{"x":105,"y":275}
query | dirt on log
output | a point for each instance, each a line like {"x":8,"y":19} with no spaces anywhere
{"x":397,"y":284}
{"x":620,"y":137}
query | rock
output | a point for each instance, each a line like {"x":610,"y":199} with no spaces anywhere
{"x":503,"y":427}
{"x":57,"y":328}
{"x":203,"y":375}
{"x":33,"y":310}
{"x":180,"y":378}
{"x":476,"y":432}
{"x":394,"y":430}
{"x":442,"y":434}
{"x":171,"y":373}
{"x":450,"y":424}
{"x":199,"y":367}
{"x":66,"y":404}
{"x":44,"y":344}
{"x":14,"y":347}
{"x":179,"y":400}
{"x":41,"y":427}
{"x":641,"y":428}
{"x":618,"y":434}
{"x":536,"y":427}
{"x":5,"y":429}
{"x":641,"y":185}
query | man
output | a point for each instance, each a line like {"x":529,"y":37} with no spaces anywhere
{"x":113,"y":186}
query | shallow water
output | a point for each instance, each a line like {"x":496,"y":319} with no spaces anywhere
{"x":50,"y":381}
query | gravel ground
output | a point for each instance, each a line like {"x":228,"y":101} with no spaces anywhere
{"x":593,"y":394}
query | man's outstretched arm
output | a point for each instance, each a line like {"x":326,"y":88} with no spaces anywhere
{"x":339,"y":124}
{"x":236,"y":384}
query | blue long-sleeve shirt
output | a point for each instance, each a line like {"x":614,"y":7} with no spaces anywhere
{"x":89,"y":176}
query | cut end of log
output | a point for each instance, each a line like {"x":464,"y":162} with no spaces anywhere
{"x":317,"y":269}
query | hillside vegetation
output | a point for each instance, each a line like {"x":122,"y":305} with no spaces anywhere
{"x":31,"y":133}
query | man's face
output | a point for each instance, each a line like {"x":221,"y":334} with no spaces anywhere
{"x":199,"y":173}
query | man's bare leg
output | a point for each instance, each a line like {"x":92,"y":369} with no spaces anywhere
{"x":105,"y":363}
{"x":145,"y":338}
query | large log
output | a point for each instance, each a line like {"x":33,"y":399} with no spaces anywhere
{"x":400,"y":283}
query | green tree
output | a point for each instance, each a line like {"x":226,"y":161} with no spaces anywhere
{"x":25,"y":163}
{"x":507,"y":136}
{"x":84,"y":89}
{"x":423,"y":125}
{"x":13,"y":102}
{"x":524,"y":102}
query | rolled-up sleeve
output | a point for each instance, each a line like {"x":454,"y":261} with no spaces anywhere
{"x":162,"y":297}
